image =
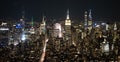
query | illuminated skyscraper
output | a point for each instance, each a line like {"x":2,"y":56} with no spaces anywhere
{"x":86,"y":20}
{"x":43,"y":26}
{"x":32,"y":29}
{"x":21,"y":24}
{"x":68,"y":21}
{"x":115,"y":26}
{"x":107,"y":26}
{"x":32,"y":23}
{"x":68,"y":28}
{"x":90,"y":22}
{"x":57,"y":30}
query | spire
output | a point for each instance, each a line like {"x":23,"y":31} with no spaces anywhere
{"x":32,"y":21}
{"x":115,"y":26}
{"x":90,"y":16}
{"x":68,"y":14}
{"x":23,"y":14}
{"x":43,"y":20}
{"x":85,"y":16}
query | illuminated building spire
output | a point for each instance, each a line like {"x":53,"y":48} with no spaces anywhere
{"x":115,"y":26}
{"x":43,"y":26}
{"x":32,"y":22}
{"x":68,"y":14}
{"x":67,"y":21}
{"x":85,"y":17}
{"x":90,"y":21}
{"x":90,"y":16}
{"x":43,"y":20}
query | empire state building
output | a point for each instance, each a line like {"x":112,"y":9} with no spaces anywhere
{"x":68,"y":28}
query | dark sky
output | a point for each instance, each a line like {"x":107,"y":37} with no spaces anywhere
{"x":57,"y":8}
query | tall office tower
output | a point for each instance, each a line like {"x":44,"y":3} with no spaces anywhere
{"x":32,"y":29}
{"x":43,"y":26}
{"x":68,"y":28}
{"x":107,"y":27}
{"x":115,"y":26}
{"x":115,"y":32}
{"x":57,"y":30}
{"x":86,"y":20}
{"x":90,"y":21}
{"x":22,"y":20}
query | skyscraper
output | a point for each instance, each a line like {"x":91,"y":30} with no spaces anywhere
{"x":32,"y":22}
{"x":90,"y":21}
{"x":68,"y":28}
{"x":85,"y":20}
{"x":22,"y":20}
{"x":115,"y":26}
{"x":32,"y":30}
{"x":43,"y":26}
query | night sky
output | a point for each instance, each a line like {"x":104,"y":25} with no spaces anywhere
{"x":57,"y":8}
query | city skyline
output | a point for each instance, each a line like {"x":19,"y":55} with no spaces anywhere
{"x":59,"y":31}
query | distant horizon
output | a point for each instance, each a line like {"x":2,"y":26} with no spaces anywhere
{"x":76,"y":19}
{"x":57,"y":8}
